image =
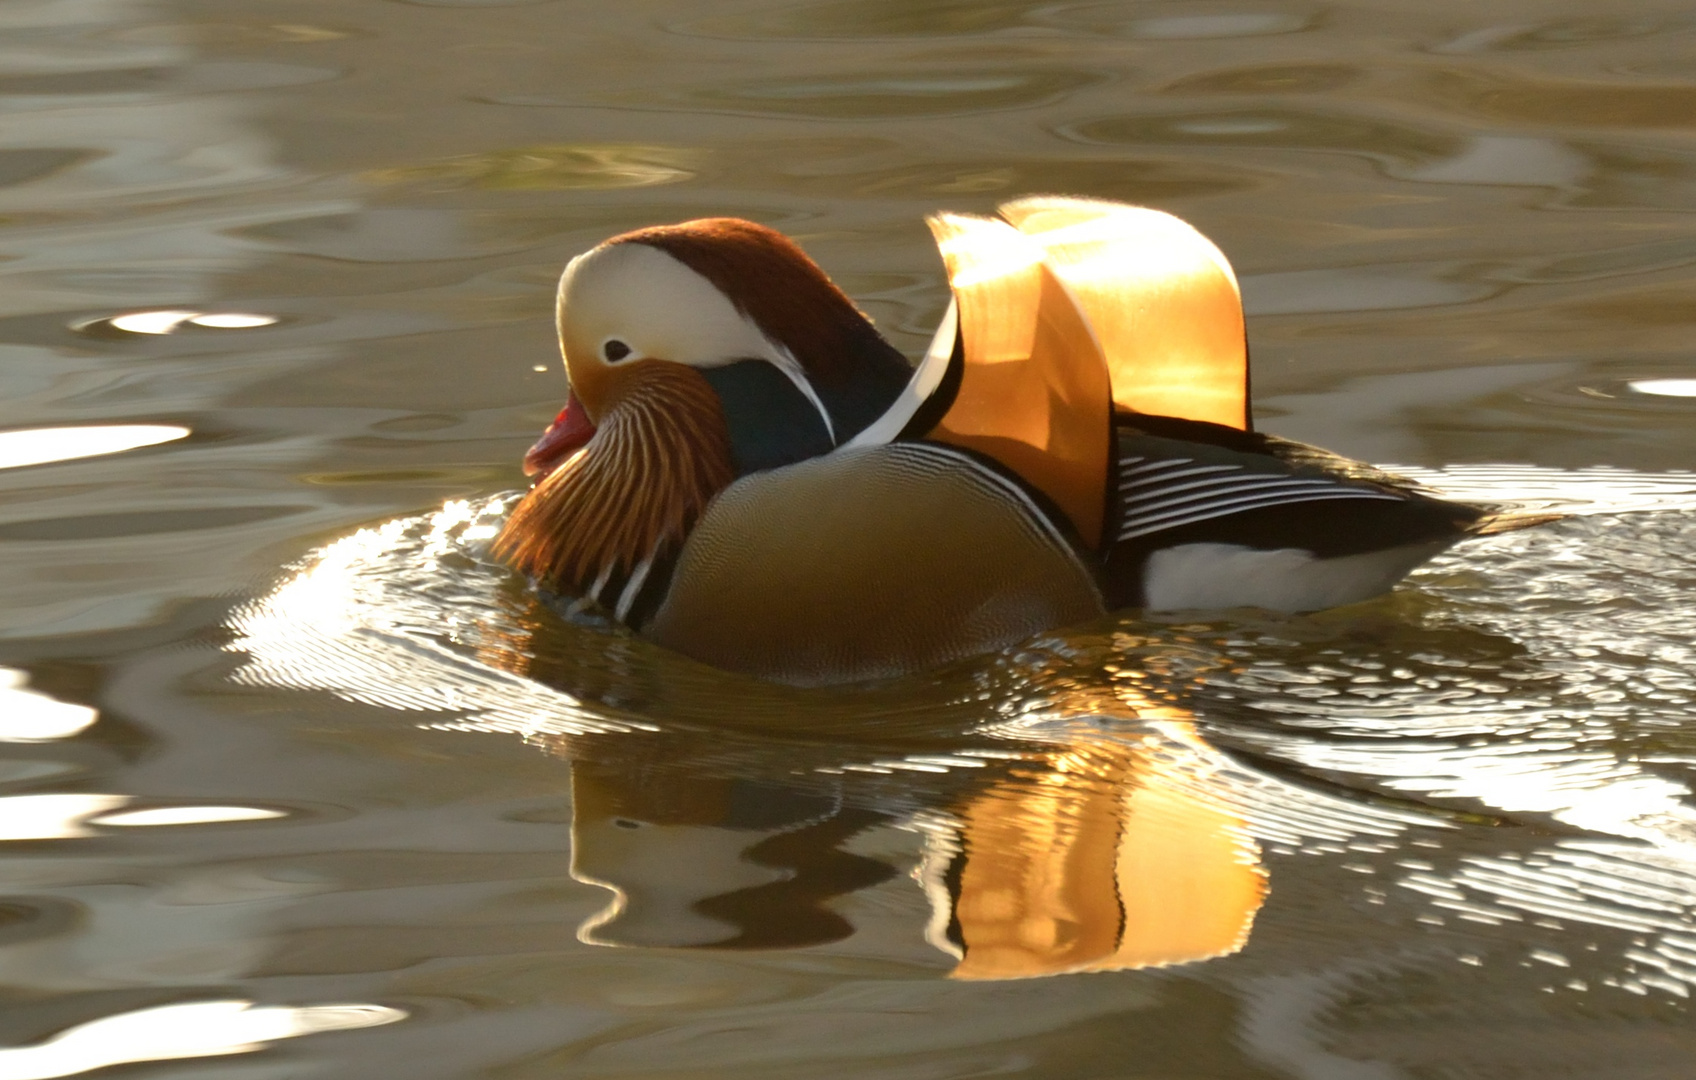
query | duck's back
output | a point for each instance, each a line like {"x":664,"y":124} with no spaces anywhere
{"x":870,"y":562}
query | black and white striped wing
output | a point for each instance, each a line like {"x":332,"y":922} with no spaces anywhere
{"x":1157,"y":494}
{"x":1204,"y":517}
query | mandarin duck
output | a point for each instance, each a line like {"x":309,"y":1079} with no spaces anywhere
{"x":746,"y":472}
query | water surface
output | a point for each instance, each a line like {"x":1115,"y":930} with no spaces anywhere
{"x":296,"y":782}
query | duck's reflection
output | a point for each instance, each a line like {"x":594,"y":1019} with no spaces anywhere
{"x":1105,"y":860}
{"x":698,"y":861}
{"x":1061,"y":845}
{"x":1095,"y":854}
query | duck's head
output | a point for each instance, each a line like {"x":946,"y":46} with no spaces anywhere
{"x":696,"y":353}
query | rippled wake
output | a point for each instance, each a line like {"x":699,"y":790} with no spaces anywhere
{"x":1598,"y":490}
{"x":1503,"y":745}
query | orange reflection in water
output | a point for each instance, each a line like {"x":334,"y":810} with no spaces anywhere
{"x":1112,"y":859}
{"x":1103,"y":852}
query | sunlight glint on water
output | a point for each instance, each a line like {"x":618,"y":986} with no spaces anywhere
{"x":175,"y":1032}
{"x":1665,"y":387}
{"x":43,"y":445}
{"x":29,"y":716}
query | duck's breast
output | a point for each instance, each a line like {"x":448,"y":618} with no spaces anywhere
{"x":867,"y":563}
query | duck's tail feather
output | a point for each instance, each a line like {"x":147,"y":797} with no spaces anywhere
{"x":1505,"y":521}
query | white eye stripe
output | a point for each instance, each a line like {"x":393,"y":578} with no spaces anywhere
{"x":681,"y":316}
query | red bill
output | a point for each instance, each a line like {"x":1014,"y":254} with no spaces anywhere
{"x":569,"y":431}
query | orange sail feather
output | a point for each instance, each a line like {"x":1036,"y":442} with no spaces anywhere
{"x":1035,"y":393}
{"x":1161,"y":298}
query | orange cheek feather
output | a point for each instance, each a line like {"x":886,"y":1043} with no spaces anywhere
{"x":596,"y":389}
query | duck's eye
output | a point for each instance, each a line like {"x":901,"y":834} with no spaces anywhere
{"x":615,"y":350}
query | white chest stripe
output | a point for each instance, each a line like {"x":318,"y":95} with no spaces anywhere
{"x":1169,"y":493}
{"x":926,"y":378}
{"x":633,"y":587}
{"x":594,"y":592}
